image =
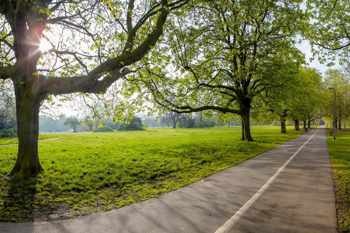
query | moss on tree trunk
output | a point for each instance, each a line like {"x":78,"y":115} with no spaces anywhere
{"x":27,"y":110}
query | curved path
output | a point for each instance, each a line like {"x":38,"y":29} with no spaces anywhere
{"x":286,"y":189}
{"x":50,"y":139}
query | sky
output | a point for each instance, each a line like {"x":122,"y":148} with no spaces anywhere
{"x":306,"y":49}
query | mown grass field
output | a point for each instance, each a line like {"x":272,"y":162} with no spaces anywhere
{"x":90,"y":172}
{"x":339,"y":151}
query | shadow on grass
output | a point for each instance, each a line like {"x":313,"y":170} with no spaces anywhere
{"x":18,"y":203}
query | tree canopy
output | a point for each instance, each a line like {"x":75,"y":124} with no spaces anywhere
{"x":228,"y":53}
{"x":329,"y":29}
{"x":60,"y":47}
{"x":72,"y":123}
{"x":340,"y":81}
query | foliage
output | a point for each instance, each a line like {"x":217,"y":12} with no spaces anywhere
{"x":340,"y":81}
{"x":8,"y":133}
{"x":223,"y":55}
{"x":278,"y":102}
{"x":308,"y":99}
{"x":47,"y":123}
{"x":203,"y":124}
{"x":193,"y":121}
{"x":187,"y":121}
{"x":112,"y":125}
{"x":171,"y":118}
{"x":300,"y":97}
{"x":328,"y":29}
{"x":339,"y":152}
{"x":72,"y":123}
{"x":7,"y":105}
{"x":87,"y":173}
{"x":135,"y":123}
{"x":104,"y":129}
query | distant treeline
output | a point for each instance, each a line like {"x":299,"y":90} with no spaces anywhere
{"x":8,"y":126}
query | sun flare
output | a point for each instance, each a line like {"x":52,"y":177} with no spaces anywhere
{"x":45,"y":46}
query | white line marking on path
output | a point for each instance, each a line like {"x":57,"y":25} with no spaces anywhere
{"x":229,"y":224}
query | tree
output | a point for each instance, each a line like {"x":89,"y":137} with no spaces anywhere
{"x":171,"y":118}
{"x":135,"y":123}
{"x":48,"y":123}
{"x":279,"y":101}
{"x":72,"y":123}
{"x":300,"y":97}
{"x":226,"y":52}
{"x":308,"y":97}
{"x":187,"y":120}
{"x":329,"y":29}
{"x":338,"y":80}
{"x":7,"y":105}
{"x":60,"y":47}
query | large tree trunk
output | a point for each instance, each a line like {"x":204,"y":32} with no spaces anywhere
{"x":174,"y":124}
{"x":283,"y":126}
{"x":296,"y":125}
{"x":309,"y":124}
{"x":304,"y":121}
{"x":245,"y":124}
{"x":27,"y":110}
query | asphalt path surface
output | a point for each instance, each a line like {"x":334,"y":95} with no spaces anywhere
{"x":286,"y":189}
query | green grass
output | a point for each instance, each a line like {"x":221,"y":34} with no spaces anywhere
{"x":90,"y":172}
{"x":339,"y":151}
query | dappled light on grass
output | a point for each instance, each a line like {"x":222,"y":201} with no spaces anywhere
{"x":90,"y":172}
{"x":19,"y":200}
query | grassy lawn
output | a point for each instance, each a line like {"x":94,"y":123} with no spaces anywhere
{"x":90,"y":172}
{"x":339,"y":151}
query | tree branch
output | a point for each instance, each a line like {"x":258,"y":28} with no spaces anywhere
{"x":189,"y":109}
{"x":7,"y":72}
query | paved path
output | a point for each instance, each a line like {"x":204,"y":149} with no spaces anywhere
{"x":50,"y":139}
{"x":299,"y":198}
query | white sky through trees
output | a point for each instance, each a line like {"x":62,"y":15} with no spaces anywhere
{"x":305,"y":48}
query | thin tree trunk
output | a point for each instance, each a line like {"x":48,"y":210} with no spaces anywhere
{"x":339,"y":123}
{"x":283,"y":126}
{"x":296,"y":125}
{"x":27,"y":110}
{"x":304,"y":121}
